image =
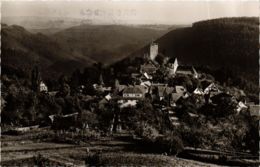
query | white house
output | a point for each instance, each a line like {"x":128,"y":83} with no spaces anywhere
{"x":43,"y":87}
{"x":131,"y":95}
{"x":241,"y":106}
{"x":133,"y":92}
{"x":198,"y":91}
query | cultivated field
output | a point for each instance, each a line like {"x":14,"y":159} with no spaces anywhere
{"x":114,"y":151}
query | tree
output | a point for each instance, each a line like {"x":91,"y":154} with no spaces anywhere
{"x":75,"y":81}
{"x":35,"y":79}
{"x":64,"y":89}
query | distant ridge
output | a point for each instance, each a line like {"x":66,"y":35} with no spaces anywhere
{"x":230,"y":43}
{"x":73,"y":48}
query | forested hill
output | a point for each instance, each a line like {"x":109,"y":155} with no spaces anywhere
{"x":22,"y":49}
{"x":227,"y":43}
{"x":74,"y":48}
{"x":108,"y":43}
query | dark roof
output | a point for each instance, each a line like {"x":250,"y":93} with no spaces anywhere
{"x":161,"y":90}
{"x":171,"y":60}
{"x":205,"y":84}
{"x":184,"y":70}
{"x":149,"y":65}
{"x":176,"y":96}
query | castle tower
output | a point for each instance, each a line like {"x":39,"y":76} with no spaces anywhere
{"x":153,"y":51}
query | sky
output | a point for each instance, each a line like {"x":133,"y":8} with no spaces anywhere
{"x":132,"y":12}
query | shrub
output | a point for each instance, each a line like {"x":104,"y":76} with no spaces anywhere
{"x":147,"y":132}
{"x":170,"y":143}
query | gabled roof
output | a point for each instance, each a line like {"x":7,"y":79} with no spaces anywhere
{"x":161,"y":90}
{"x":175,"y":96}
{"x":121,"y":87}
{"x":211,"y":87}
{"x":179,"y":89}
{"x":148,"y":65}
{"x":198,"y":91}
{"x":146,"y":83}
{"x":141,"y":87}
{"x":103,"y":101}
{"x":205,"y":83}
{"x":133,"y":89}
{"x":184,"y":70}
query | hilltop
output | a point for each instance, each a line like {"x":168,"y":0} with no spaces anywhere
{"x":107,"y":43}
{"x":227,"y":48}
{"x":75,"y":47}
{"x":225,"y":43}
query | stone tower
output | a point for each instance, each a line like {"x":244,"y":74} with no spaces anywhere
{"x":153,"y":50}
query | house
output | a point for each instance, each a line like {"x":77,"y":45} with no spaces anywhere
{"x":120,"y":88}
{"x":187,"y":70}
{"x":160,"y":93}
{"x":212,"y":88}
{"x":164,"y":91}
{"x":180,"y":89}
{"x":198,"y":91}
{"x":43,"y":87}
{"x":26,"y":129}
{"x":254,"y":110}
{"x":135,"y":92}
{"x":241,"y":106}
{"x":174,"y":98}
{"x":178,"y":92}
{"x":128,"y":103}
{"x":168,"y":90}
{"x":108,"y":97}
{"x":172,"y":67}
{"x":147,"y":76}
{"x":148,"y":68}
{"x":146,"y":85}
{"x":131,"y":95}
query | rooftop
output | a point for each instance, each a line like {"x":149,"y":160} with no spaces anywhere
{"x":133,"y":89}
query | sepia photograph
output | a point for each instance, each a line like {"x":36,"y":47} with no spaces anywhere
{"x":130,"y":83}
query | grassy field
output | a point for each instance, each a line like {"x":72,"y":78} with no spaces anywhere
{"x":112,"y":151}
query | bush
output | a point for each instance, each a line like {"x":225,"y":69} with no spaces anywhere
{"x":170,"y":143}
{"x":147,"y":132}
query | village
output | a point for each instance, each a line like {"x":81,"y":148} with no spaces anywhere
{"x":164,"y":96}
{"x":160,"y":102}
